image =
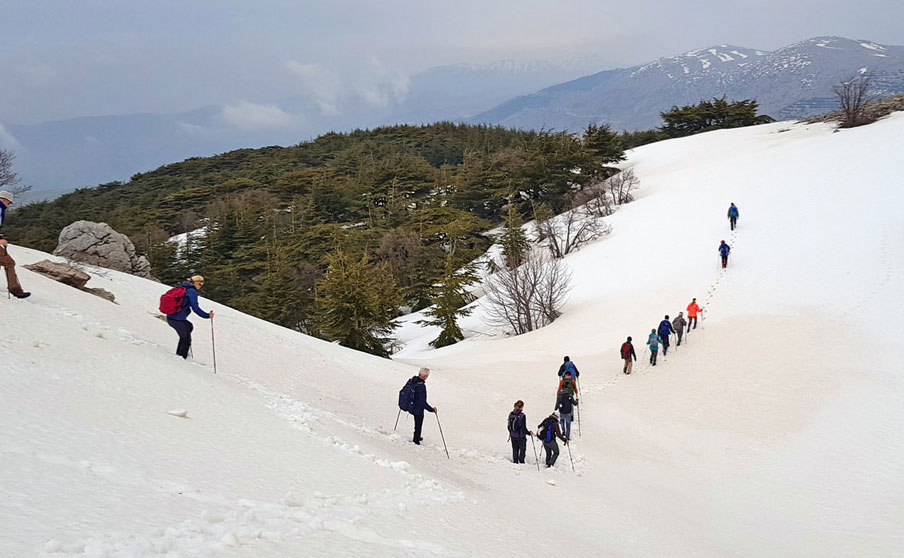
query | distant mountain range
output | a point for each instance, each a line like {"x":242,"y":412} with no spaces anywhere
{"x":788,"y":83}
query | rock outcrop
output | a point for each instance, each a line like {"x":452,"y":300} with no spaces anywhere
{"x":98,"y":244}
{"x":68,"y":275}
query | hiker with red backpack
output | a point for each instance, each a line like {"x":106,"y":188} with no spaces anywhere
{"x":177,"y":303}
{"x":627,"y":353}
{"x":518,"y":432}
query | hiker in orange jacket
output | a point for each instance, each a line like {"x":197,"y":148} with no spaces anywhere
{"x":692,"y":309}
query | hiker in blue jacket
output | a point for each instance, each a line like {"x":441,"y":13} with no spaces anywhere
{"x":518,"y":432}
{"x":665,"y":329}
{"x":653,"y":341}
{"x":568,"y":366}
{"x":733,"y":215}
{"x":724,"y":250}
{"x":179,"y":320}
{"x":420,"y":402}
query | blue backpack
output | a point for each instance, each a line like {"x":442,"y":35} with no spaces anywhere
{"x":733,"y":211}
{"x":570,"y":367}
{"x":407,"y":396}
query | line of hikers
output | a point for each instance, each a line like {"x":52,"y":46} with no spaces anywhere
{"x":662,"y":336}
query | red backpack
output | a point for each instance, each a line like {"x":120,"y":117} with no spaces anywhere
{"x":626,"y":350}
{"x":171,"y":301}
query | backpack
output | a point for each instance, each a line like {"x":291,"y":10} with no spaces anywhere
{"x":407,"y":396}
{"x":514,"y":423}
{"x":545,"y":430}
{"x":172,"y":300}
{"x":568,"y":386}
{"x":626,"y":350}
{"x":570,"y":367}
{"x":724,"y":249}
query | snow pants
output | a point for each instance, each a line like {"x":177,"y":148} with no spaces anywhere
{"x":552,"y":452}
{"x":691,"y":319}
{"x":680,"y":333}
{"x":665,"y":344}
{"x":565,"y":422}
{"x":519,"y":448}
{"x":724,"y":261}
{"x":184,"y":329}
{"x":734,"y":222}
{"x":12,"y":280}
{"x":418,"y":424}
{"x":653,"y":356}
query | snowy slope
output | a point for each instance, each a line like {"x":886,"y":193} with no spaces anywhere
{"x":774,"y":431}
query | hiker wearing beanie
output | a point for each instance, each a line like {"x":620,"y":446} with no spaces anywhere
{"x":678,"y":325}
{"x":665,"y":329}
{"x":9,"y":265}
{"x":570,"y":367}
{"x":692,"y":310}
{"x":179,"y":320}
{"x":733,"y":215}
{"x":627,"y":354}
{"x":724,"y":250}
{"x":548,"y":431}
{"x":653,"y":341}
{"x":518,"y":432}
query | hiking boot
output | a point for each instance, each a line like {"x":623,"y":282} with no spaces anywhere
{"x":20,"y":294}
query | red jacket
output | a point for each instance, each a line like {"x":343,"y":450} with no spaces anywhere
{"x":692,"y":310}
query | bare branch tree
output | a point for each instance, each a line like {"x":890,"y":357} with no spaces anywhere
{"x":852,"y":96}
{"x":9,"y":179}
{"x":568,"y":231}
{"x":621,"y":185}
{"x":602,"y":197}
{"x":529,"y":296}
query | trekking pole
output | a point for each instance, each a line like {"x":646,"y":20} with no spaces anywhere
{"x":441,"y":434}
{"x":213,"y":345}
{"x":397,"y":420}
{"x":536,"y":458}
{"x":569,"y":457}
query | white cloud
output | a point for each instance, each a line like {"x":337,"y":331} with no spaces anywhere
{"x":373,"y":83}
{"x":251,"y":116}
{"x":320,"y":83}
{"x":40,"y":75}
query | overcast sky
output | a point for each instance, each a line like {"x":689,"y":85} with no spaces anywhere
{"x":67,"y":58}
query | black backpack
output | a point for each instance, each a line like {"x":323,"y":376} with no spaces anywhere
{"x":514,"y":423}
{"x":407,"y":396}
{"x":545,"y":430}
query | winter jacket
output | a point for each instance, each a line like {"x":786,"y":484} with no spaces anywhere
{"x":564,"y":403}
{"x":692,"y":310}
{"x":724,"y":249}
{"x":627,"y":351}
{"x":733,"y":211}
{"x":570,"y":386}
{"x":678,"y":324}
{"x":520,"y":430}
{"x":665,"y":328}
{"x":189,"y":303}
{"x":420,"y":397}
{"x":569,"y":367}
{"x":653,"y":341}
{"x":553,"y":424}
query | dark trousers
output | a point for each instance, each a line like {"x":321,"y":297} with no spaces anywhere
{"x":724,"y":261}
{"x":519,"y":448}
{"x":653,"y":356}
{"x":679,"y":333}
{"x":418,"y":424}
{"x":552,"y":452}
{"x":665,"y":344}
{"x":691,"y":319}
{"x":184,"y":329}
{"x":734,"y":221}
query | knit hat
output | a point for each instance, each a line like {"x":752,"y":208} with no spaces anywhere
{"x":6,"y":195}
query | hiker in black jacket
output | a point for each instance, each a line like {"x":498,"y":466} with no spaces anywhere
{"x":420,"y":402}
{"x":565,"y":406}
{"x":548,"y":432}
{"x":518,"y":432}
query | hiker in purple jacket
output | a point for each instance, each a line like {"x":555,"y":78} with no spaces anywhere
{"x":518,"y":432}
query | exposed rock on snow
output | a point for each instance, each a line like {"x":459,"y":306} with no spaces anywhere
{"x":98,"y":244}
{"x":69,"y":275}
{"x":181,"y":413}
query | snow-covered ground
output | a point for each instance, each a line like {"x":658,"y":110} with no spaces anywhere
{"x":775,"y":431}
